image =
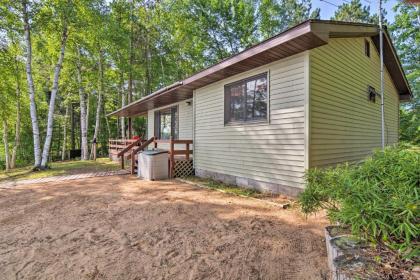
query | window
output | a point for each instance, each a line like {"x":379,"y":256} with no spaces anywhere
{"x":246,"y":100}
{"x":372,"y":94}
{"x":166,"y":123}
{"x":367,"y":48}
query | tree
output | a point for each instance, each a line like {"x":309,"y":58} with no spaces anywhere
{"x":18,"y":113}
{"x":115,"y":52}
{"x":6,"y":144}
{"x":276,"y":16}
{"x":405,"y":31}
{"x":6,"y":92}
{"x":99,"y":100}
{"x":83,"y":109}
{"x":31,"y":86}
{"x":64,"y":12}
{"x":54,"y":91}
{"x":355,"y":12}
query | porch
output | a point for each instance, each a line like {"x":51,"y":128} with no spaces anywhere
{"x":180,"y":161}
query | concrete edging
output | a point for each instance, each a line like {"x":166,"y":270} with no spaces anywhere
{"x":333,"y":252}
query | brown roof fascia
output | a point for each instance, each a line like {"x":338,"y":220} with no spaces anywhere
{"x":394,"y":67}
{"x":284,"y":37}
{"x":319,"y":30}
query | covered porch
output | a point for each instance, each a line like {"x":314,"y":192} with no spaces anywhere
{"x":169,"y":115}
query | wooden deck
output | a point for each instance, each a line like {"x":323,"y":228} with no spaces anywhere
{"x":179,"y":160}
{"x":117,"y":145}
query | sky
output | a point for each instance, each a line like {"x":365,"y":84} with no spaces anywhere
{"x":327,"y":10}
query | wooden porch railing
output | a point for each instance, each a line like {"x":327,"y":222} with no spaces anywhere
{"x":116,"y":145}
{"x":120,"y":147}
{"x":136,"y":150}
{"x":128,"y":149}
{"x":172,"y":152}
{"x":119,"y":144}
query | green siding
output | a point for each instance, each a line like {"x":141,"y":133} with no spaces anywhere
{"x":344,"y":125}
{"x":270,"y":152}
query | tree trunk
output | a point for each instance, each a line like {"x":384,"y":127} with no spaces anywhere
{"x":18,"y":119}
{"x":87,"y":115}
{"x":72,"y":129}
{"x":107,"y":124}
{"x":131,"y":57}
{"x":83,"y":120}
{"x":99,"y":103}
{"x":123,"y":103}
{"x":50,"y":122}
{"x":148,"y":66}
{"x":6,"y":144}
{"x":31,"y":87}
{"x":63,"y":150}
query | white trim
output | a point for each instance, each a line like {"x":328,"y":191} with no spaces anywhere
{"x":169,"y":105}
{"x":307,"y":105}
{"x":193,"y":128}
{"x":269,"y":96}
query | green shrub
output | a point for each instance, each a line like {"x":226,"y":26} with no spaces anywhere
{"x":378,"y":199}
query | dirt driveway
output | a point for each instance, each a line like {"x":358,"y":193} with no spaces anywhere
{"x":122,"y":228}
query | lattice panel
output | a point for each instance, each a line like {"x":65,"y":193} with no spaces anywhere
{"x":183,"y":168}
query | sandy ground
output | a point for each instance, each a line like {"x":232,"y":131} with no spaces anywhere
{"x":121,"y":228}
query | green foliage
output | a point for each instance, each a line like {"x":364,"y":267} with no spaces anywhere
{"x":406,"y":35}
{"x":276,"y":16}
{"x":152,"y":43}
{"x":155,"y":43}
{"x":355,"y":12}
{"x":230,"y":189}
{"x":379,"y":198}
{"x":410,"y":126}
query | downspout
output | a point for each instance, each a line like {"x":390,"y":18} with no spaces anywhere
{"x":381,"y":52}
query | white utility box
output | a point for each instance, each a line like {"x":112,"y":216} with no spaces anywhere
{"x":153,"y":165}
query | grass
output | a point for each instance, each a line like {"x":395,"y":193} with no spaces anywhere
{"x":274,"y":199}
{"x":213,"y":184}
{"x":59,"y":169}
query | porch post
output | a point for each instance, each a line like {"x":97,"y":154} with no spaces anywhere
{"x":130,"y":130}
{"x":171,"y":158}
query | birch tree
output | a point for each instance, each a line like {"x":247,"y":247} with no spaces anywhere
{"x":31,"y":87}
{"x":54,"y":91}
{"x":83,"y":109}
{"x":99,"y":100}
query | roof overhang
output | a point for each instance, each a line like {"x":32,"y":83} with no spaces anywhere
{"x":305,"y":36}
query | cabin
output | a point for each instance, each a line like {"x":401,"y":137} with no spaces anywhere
{"x":308,"y":97}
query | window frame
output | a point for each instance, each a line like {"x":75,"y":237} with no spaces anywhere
{"x":174,"y":111}
{"x":367,"y":48}
{"x":371,"y":94}
{"x":227,"y":122}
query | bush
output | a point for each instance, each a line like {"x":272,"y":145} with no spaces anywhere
{"x":378,"y":199}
